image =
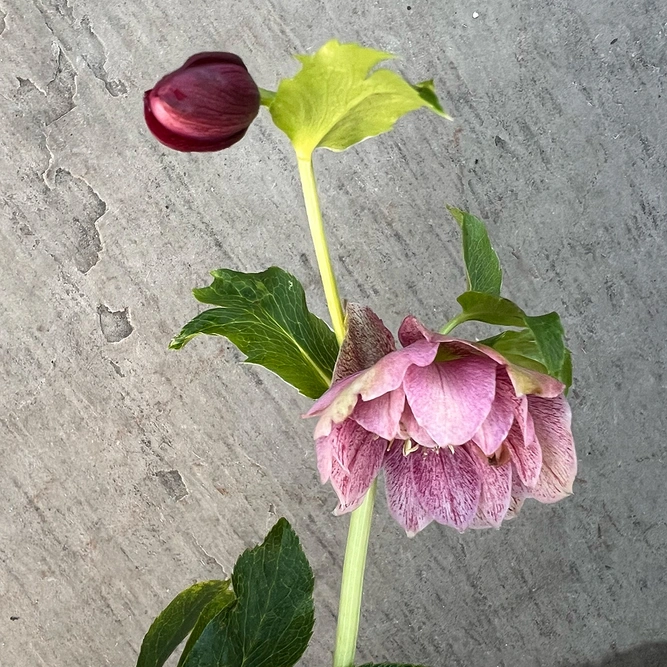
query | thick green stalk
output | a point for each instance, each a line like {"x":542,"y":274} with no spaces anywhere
{"x":321,"y":249}
{"x":352,"y":584}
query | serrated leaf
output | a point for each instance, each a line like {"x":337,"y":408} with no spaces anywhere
{"x":335,"y":101}
{"x":547,"y":330}
{"x":265,"y":315}
{"x":271,"y":621}
{"x":481,"y":261}
{"x":172,"y":626}
{"x":210,"y":611}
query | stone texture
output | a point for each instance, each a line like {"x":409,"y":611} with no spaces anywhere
{"x":130,"y":471}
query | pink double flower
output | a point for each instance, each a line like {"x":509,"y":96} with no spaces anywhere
{"x":463,"y":435}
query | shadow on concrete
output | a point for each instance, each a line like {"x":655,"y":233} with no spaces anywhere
{"x":646,"y":655}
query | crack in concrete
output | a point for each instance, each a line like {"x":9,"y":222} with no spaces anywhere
{"x":62,"y":24}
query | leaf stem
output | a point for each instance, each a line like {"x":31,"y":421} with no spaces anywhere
{"x":454,"y":322}
{"x":320,"y":242}
{"x":352,"y":583}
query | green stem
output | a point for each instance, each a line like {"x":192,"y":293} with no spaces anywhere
{"x":321,"y":249}
{"x":352,"y":583}
{"x":454,"y":322}
{"x":266,"y":97}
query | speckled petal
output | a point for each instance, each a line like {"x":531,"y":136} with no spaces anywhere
{"x":356,"y":459}
{"x":448,"y":485}
{"x":526,"y":454}
{"x":552,"y":419}
{"x":402,"y":498}
{"x":495,"y":496}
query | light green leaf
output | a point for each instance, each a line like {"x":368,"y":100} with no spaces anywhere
{"x":172,"y":626}
{"x":482,"y":263}
{"x":335,"y":101}
{"x":265,"y":315}
{"x":547,"y":330}
{"x":271,"y":621}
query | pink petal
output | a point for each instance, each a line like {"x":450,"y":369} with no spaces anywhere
{"x":448,"y":485}
{"x":382,"y":415}
{"x":402,"y":498}
{"x":356,"y":459}
{"x":324,"y":450}
{"x":451,"y":399}
{"x":337,"y":403}
{"x":552,"y":418}
{"x":366,"y":341}
{"x":526,"y":454}
{"x":496,"y":494}
{"x":409,"y":428}
{"x":497,"y":424}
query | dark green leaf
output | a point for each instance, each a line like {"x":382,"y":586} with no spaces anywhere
{"x":172,"y":626}
{"x":491,"y":309}
{"x":520,"y":348}
{"x":265,"y":315}
{"x":547,"y":330}
{"x":210,"y":611}
{"x":335,"y":100}
{"x":271,"y":621}
{"x":482,"y":263}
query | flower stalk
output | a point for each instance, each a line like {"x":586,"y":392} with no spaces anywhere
{"x":354,"y":565}
{"x":352,"y":583}
{"x":321,"y":249}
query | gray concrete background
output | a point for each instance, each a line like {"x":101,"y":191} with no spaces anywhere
{"x":129,"y":471}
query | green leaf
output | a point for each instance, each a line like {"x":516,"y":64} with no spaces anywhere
{"x":335,"y":101}
{"x":265,"y":315}
{"x":520,"y":348}
{"x":271,"y":621}
{"x":210,"y":611}
{"x":172,"y":626}
{"x":547,"y":330}
{"x":482,"y":263}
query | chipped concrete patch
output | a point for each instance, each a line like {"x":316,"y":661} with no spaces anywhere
{"x":115,"y":324}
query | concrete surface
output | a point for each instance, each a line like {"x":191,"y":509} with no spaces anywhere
{"x":129,"y":471}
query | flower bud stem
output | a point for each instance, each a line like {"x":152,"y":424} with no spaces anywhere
{"x":352,"y":582}
{"x":321,"y":249}
{"x":349,"y":606}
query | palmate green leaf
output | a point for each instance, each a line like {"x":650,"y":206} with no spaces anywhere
{"x":547,"y":330}
{"x":172,"y":626}
{"x":482,"y":263}
{"x":271,"y":621}
{"x":265,"y":315}
{"x":520,"y":348}
{"x":335,"y":101}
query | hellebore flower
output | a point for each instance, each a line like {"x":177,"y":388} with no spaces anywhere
{"x":463,"y":435}
{"x":205,"y":105}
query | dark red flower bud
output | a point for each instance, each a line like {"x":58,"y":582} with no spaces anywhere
{"x":206,"y":105}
